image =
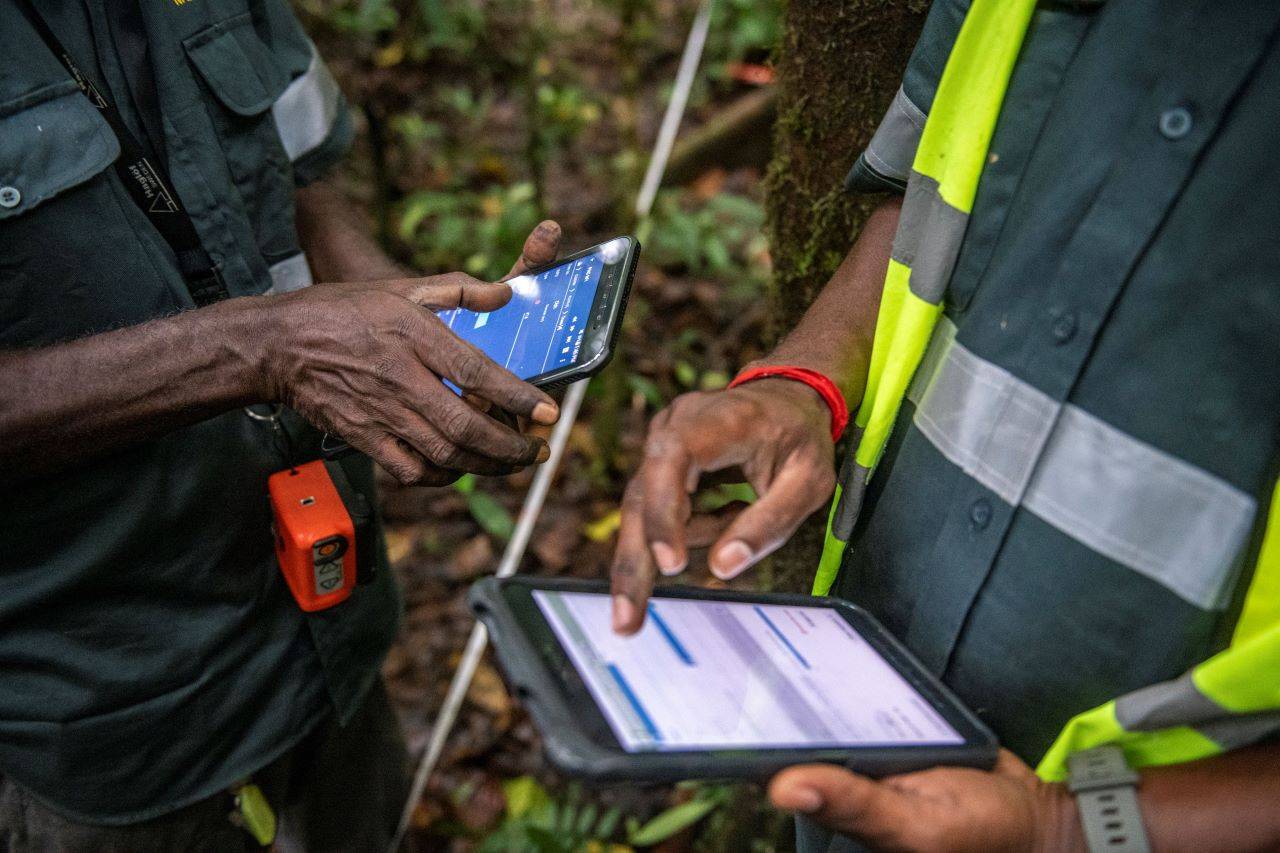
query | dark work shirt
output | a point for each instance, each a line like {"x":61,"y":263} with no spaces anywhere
{"x":1074,"y":493}
{"x":150,"y":653}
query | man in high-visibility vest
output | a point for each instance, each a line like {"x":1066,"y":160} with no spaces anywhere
{"x":1061,"y":336}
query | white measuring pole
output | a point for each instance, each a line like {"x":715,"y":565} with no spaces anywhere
{"x":479,"y":638}
{"x":533,"y":502}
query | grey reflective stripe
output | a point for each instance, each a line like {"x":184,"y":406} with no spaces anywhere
{"x":292,"y":273}
{"x":307,"y":109}
{"x":1241,"y":729}
{"x":1169,"y":703}
{"x":853,"y":485}
{"x":983,"y":418}
{"x":893,"y":147}
{"x":1160,"y":516}
{"x":1181,"y":703}
{"x":1143,"y":508}
{"x":928,"y":238}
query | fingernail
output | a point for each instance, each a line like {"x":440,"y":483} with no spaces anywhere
{"x":544,"y":453}
{"x":730,"y":560}
{"x":665,"y":556}
{"x":546,"y":413}
{"x":806,"y":800}
{"x":624,"y":613}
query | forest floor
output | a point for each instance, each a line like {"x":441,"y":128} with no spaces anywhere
{"x":471,"y":130}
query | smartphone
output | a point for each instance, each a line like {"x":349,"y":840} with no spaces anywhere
{"x":719,"y":685}
{"x":562,"y":321}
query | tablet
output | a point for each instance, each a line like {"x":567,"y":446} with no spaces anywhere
{"x":719,"y":685}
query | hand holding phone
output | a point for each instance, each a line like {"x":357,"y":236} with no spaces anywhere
{"x":367,"y":361}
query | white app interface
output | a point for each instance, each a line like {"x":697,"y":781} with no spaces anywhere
{"x":715,"y":675}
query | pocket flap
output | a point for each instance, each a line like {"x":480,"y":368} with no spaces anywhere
{"x":237,"y":66}
{"x":50,"y":146}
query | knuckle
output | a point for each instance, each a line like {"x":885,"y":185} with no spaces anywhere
{"x":406,"y":470}
{"x":468,"y":370}
{"x":661,"y":442}
{"x":458,"y":425}
{"x":438,"y":450}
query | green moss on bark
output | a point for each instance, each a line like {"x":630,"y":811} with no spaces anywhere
{"x":838,"y":66}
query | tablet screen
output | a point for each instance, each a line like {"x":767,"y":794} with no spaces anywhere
{"x":725,"y":674}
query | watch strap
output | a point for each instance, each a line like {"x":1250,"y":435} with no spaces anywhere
{"x":1105,"y":787}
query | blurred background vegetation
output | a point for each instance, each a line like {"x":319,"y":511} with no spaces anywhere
{"x":478,"y":118}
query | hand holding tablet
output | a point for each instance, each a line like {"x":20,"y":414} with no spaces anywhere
{"x":719,"y":684}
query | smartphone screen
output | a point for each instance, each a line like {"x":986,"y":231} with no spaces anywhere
{"x":544,"y":326}
{"x":704,"y":675}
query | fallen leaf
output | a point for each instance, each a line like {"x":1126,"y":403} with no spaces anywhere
{"x":471,"y":559}
{"x":400,"y":543}
{"x":602,"y":528}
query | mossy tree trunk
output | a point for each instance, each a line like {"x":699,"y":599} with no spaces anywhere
{"x":838,"y":66}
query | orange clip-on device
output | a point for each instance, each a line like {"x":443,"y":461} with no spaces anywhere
{"x":324,"y":533}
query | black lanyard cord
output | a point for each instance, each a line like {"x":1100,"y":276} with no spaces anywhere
{"x":143,"y":176}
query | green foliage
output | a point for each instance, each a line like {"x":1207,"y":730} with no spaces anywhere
{"x":479,"y":232}
{"x":677,"y":818}
{"x":742,"y":30}
{"x":718,"y":238}
{"x":492,"y":516}
{"x":537,"y":823}
{"x":563,"y":112}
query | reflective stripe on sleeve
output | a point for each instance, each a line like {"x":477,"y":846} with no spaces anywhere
{"x":306,"y":110}
{"x":291,"y":274}
{"x":1123,"y":498}
{"x":928,"y":238}
{"x":894,"y":144}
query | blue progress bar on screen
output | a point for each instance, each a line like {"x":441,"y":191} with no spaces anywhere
{"x":676,"y":646}
{"x":783,"y":637}
{"x":635,"y":702}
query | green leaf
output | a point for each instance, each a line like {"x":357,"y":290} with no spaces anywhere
{"x":713,"y":380}
{"x":524,"y":794}
{"x":608,"y":823}
{"x":490,"y":515}
{"x":586,"y":821}
{"x":645,"y":387}
{"x":671,"y":821}
{"x":723,"y":495}
{"x":466,"y":484}
{"x":686,"y":374}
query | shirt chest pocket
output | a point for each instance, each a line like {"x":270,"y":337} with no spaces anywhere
{"x":241,"y":80}
{"x":74,"y":256}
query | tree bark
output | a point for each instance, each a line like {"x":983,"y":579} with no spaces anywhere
{"x":837,"y":68}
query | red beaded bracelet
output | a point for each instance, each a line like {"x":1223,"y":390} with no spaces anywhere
{"x":826,"y":389}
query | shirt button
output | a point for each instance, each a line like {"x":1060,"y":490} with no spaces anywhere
{"x":980,"y":513}
{"x":1064,"y":328}
{"x":9,"y":196}
{"x":1175,"y":123}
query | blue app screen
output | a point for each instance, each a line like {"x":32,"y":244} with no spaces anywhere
{"x":542,"y":327}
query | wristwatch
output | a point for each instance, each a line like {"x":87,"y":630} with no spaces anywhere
{"x":1105,"y":787}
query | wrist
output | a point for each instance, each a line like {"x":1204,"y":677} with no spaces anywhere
{"x":1057,"y":822}
{"x":254,"y":329}
{"x":822,"y":386}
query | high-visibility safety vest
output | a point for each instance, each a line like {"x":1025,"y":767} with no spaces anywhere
{"x":1231,"y":699}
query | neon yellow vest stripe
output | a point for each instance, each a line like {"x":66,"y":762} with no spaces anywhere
{"x":940,"y":191}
